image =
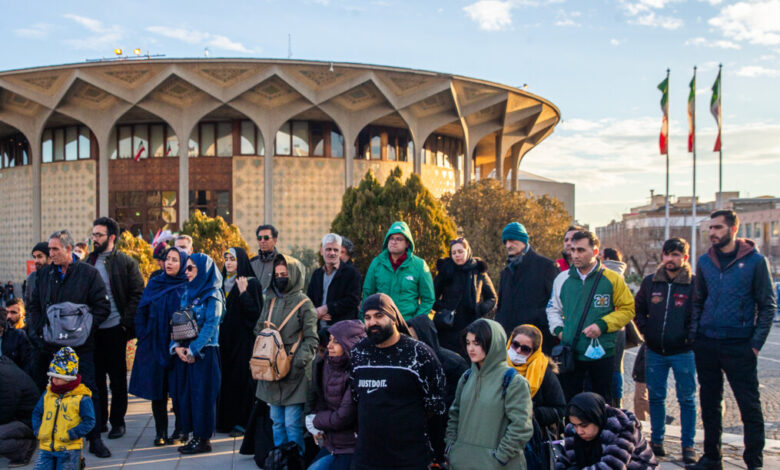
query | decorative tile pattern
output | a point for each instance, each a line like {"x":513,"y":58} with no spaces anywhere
{"x":68,"y":197}
{"x":380,"y":169}
{"x":248,"y":187}
{"x":438,"y":180}
{"x":16,"y":234}
{"x":307,"y":196}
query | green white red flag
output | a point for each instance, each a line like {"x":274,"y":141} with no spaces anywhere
{"x":663,"y":141}
{"x":715,"y":109}
{"x":692,"y":113}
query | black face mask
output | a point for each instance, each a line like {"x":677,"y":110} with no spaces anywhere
{"x":281,"y":283}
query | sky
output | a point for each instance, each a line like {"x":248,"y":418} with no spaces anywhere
{"x":598,"y":61}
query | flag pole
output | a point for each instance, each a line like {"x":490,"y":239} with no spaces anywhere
{"x":694,"y":225}
{"x":720,"y":134}
{"x":666,"y":202}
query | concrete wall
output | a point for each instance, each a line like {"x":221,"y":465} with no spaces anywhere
{"x":562,"y":191}
{"x":68,"y":198}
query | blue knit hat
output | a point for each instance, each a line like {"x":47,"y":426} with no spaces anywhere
{"x":514,"y":231}
{"x":65,"y":364}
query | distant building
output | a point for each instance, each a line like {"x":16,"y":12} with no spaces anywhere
{"x":540,"y":186}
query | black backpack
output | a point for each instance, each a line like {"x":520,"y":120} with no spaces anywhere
{"x":284,"y":457}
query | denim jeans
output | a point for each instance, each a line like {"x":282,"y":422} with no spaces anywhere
{"x":288,"y":425}
{"x":683,"y":366}
{"x":327,"y":461}
{"x":62,"y":460}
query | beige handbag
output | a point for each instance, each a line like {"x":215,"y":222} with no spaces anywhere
{"x":270,"y":362}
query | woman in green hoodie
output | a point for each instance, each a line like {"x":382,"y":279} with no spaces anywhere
{"x":491,"y":417}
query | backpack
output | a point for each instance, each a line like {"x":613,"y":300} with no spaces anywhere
{"x":505,"y":381}
{"x":184,"y":327}
{"x":270,"y":362}
{"x":67,"y":324}
{"x":284,"y":457}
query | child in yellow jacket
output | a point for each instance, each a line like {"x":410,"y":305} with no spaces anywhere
{"x":63,"y":415}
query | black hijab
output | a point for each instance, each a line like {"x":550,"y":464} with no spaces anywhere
{"x":588,"y":407}
{"x":243,"y":268}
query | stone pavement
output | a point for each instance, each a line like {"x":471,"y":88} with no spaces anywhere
{"x":135,"y":449}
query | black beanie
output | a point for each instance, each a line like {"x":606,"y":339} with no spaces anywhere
{"x":384,"y":303}
{"x":43,"y":247}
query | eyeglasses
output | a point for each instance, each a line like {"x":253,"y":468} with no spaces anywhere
{"x":264,"y":237}
{"x":190,"y":268}
{"x":522,"y":347}
{"x":397,"y":239}
{"x":98,"y":235}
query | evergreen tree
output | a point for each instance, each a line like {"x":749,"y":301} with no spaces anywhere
{"x":368,"y":211}
{"x":140,"y":250}
{"x":213,"y":236}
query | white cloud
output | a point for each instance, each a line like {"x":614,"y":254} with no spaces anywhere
{"x":104,"y":37}
{"x":216,"y":41}
{"x":34,"y":31}
{"x":754,"y":22}
{"x":614,"y":42}
{"x":567,"y":18}
{"x":643,"y":12}
{"x":490,"y":15}
{"x":755,"y":71}
{"x":720,"y":43}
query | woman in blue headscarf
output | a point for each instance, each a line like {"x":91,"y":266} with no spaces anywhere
{"x":196,"y":373}
{"x":161,"y":297}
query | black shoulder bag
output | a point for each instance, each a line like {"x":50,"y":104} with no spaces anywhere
{"x":564,"y":354}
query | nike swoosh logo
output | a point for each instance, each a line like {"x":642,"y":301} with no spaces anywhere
{"x":372,"y":390}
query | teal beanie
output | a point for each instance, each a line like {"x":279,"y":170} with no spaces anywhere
{"x":514,"y":231}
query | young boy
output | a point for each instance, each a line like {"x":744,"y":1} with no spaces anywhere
{"x":63,"y":415}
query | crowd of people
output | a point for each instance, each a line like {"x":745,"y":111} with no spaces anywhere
{"x":398,"y":369}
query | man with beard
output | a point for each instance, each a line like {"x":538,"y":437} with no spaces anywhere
{"x":40,"y":254}
{"x":564,"y":263}
{"x":263,"y":263}
{"x":398,"y":385}
{"x":69,"y":280}
{"x":734,"y":302}
{"x":124,"y":284}
{"x":664,"y":307}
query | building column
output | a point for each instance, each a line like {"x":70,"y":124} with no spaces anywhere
{"x":349,"y":160}
{"x":34,"y":139}
{"x":468,"y":164}
{"x":102,"y":171}
{"x":500,"y":160}
{"x":417,"y":158}
{"x":513,"y":169}
{"x":184,"y":178}
{"x":268,"y":178}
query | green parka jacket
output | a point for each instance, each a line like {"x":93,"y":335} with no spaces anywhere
{"x":486,"y":431}
{"x":294,"y":388}
{"x":410,"y":286}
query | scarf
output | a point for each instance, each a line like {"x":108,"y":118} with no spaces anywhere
{"x":66,"y":387}
{"x":230,"y":281}
{"x":591,"y":408}
{"x":396,"y":264}
{"x":207,"y":283}
{"x":534,"y":368}
{"x":160,"y":284}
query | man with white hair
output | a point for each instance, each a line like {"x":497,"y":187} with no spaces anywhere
{"x":335,"y":288}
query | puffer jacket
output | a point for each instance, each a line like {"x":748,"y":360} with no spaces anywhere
{"x":410,"y":286}
{"x":294,"y":388}
{"x":735,"y":301}
{"x":624,"y":447}
{"x":485,"y":430}
{"x":335,"y":411}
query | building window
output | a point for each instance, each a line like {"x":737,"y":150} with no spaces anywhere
{"x":140,"y":141}
{"x":251,"y":140}
{"x":211,"y":203}
{"x":68,"y":143}
{"x":336,"y":144}
{"x":14,"y":151}
{"x":317,"y":140}
{"x":775,"y":230}
{"x":208,"y":146}
{"x":283,"y":139}
{"x":748,"y":230}
{"x":142,"y":212}
{"x":383,"y":143}
{"x":157,"y":140}
{"x":757,"y":230}
{"x":300,"y":138}
{"x":442,"y":150}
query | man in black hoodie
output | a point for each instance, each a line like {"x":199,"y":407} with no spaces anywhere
{"x":398,"y":385}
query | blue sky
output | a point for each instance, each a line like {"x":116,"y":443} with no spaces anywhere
{"x":598,"y":61}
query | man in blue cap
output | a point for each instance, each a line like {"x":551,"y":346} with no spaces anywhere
{"x":526,"y":285}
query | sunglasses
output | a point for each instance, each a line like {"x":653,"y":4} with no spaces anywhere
{"x":522,"y":347}
{"x":264,"y":237}
{"x":456,"y":241}
{"x":190,"y":268}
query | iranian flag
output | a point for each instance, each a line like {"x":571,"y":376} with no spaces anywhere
{"x":141,"y":150}
{"x":663,"y":140}
{"x":692,"y":113}
{"x":715,"y":109}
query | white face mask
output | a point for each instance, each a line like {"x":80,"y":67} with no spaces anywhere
{"x":515,"y":357}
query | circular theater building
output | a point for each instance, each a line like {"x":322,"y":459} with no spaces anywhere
{"x":255,"y":141}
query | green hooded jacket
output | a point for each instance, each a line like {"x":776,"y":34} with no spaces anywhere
{"x":294,"y":388}
{"x":486,"y":431}
{"x":410,"y":286}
